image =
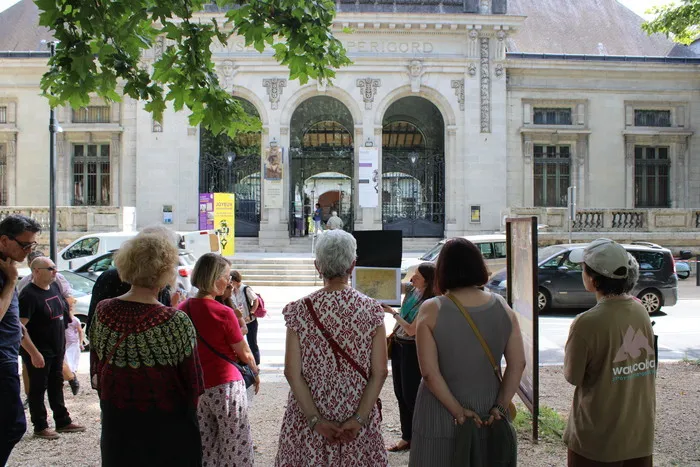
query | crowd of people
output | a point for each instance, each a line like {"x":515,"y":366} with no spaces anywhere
{"x":176,"y":376}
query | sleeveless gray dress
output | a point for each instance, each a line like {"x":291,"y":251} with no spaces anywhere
{"x":468,"y":374}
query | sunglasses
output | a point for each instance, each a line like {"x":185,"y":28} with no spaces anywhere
{"x":51,"y":268}
{"x":25,"y":245}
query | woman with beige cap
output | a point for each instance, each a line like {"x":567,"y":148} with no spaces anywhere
{"x":610,"y":359}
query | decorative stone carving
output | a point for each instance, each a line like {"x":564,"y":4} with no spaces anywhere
{"x":500,"y":70}
{"x":156,"y":126}
{"x":274,"y":90}
{"x":158,"y":47}
{"x":681,"y":149}
{"x":581,"y":150}
{"x":458,"y":86}
{"x":415,"y":74}
{"x":471,"y":70}
{"x":368,"y":88}
{"x":527,"y":150}
{"x":485,"y":86}
{"x":473,"y":44}
{"x":226,"y":71}
{"x":629,"y":152}
{"x":501,"y":45}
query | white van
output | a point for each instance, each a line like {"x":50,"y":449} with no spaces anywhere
{"x":199,"y":242}
{"x":89,"y":247}
{"x":493,"y":247}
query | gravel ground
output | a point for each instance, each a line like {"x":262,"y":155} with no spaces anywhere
{"x":677,"y":428}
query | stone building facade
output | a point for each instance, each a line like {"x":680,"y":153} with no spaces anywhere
{"x":476,"y":110}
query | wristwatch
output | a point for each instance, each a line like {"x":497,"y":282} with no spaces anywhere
{"x":313,"y":421}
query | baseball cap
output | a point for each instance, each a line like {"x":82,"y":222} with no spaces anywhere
{"x":604,"y":256}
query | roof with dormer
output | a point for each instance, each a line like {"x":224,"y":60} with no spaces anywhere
{"x":593,"y":27}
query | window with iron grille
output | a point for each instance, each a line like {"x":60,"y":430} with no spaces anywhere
{"x":3,"y":114}
{"x":92,"y":114}
{"x":556,"y":116}
{"x":651,"y":177}
{"x":660,"y":118}
{"x":3,"y":172}
{"x":552,"y":175}
{"x":91,"y":175}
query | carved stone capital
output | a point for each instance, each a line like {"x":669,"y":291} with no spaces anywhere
{"x":458,"y":86}
{"x":499,"y":71}
{"x":274,"y":86}
{"x":368,"y":89}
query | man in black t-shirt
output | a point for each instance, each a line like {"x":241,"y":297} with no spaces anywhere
{"x":44,"y":311}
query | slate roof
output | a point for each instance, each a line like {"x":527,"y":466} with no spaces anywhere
{"x":20,"y":30}
{"x":595,"y":27}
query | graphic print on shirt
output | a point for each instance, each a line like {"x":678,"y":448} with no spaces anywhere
{"x":54,"y":306}
{"x":632,"y":345}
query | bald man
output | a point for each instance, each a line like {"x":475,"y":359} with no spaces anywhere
{"x":44,"y":312}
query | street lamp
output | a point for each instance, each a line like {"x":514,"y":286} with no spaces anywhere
{"x":53,"y":129}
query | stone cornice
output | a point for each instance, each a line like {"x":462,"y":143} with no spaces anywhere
{"x":548,"y":130}
{"x":661,"y":132}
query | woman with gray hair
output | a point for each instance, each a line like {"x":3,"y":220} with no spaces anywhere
{"x":335,"y":363}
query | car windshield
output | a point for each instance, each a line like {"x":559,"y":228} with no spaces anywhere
{"x":81,"y":285}
{"x":548,"y":251}
{"x":433,"y":253}
{"x":187,"y":259}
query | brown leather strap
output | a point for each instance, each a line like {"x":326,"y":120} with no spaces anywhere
{"x":334,"y":345}
{"x":480,"y":338}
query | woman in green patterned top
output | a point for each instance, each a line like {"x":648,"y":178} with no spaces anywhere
{"x":144,"y":365}
{"x":404,"y":358}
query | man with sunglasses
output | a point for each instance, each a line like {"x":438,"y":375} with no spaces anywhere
{"x":44,"y":311}
{"x":17,"y":238}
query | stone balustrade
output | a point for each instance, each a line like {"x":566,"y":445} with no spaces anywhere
{"x":79,"y":218}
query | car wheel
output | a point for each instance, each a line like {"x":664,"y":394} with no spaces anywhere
{"x":83,"y":324}
{"x":683,"y":275}
{"x":544,"y":300}
{"x":651,"y":300}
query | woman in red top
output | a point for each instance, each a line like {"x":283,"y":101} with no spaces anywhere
{"x":223,"y":408}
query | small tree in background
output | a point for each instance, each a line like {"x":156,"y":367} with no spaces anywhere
{"x":679,"y":21}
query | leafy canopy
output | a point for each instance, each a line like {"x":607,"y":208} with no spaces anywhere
{"x":681,"y":21}
{"x":102,"y":42}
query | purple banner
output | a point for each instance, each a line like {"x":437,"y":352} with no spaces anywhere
{"x":206,"y":211}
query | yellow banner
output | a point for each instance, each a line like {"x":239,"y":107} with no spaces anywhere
{"x":224,"y":221}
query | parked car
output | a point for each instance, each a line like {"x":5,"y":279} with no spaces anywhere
{"x":97,"y":266}
{"x":683,"y":264}
{"x":561,"y":284}
{"x":89,"y":247}
{"x":493,"y":247}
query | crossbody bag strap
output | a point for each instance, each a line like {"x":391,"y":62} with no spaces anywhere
{"x":207,"y":344}
{"x":478,"y":335}
{"x":334,"y":345}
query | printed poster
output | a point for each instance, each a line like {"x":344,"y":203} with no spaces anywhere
{"x":206,"y":211}
{"x":224,"y":221}
{"x":273,"y":171}
{"x":368,"y":183}
{"x":382,"y":284}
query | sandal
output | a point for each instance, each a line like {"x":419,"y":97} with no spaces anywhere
{"x":400,"y":446}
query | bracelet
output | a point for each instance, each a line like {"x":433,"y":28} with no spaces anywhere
{"x":500,"y":408}
{"x":313,"y":421}
{"x":359,"y":419}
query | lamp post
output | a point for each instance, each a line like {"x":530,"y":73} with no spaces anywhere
{"x":53,"y":129}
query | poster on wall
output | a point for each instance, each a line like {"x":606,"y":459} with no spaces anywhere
{"x":273,"y":170}
{"x":224,"y":221}
{"x":368,"y":183}
{"x":521,"y":240}
{"x":206,"y":211}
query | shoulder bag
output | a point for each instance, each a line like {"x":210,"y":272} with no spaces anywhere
{"x":512,"y":411}
{"x":337,"y":350}
{"x":244,"y":369}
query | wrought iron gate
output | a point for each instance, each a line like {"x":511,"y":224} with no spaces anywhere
{"x":228,"y":166}
{"x":413,"y":192}
{"x":307,"y":162}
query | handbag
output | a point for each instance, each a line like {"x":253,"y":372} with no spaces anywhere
{"x":512,"y":411}
{"x":337,"y":350}
{"x":389,"y":345}
{"x":244,"y":369}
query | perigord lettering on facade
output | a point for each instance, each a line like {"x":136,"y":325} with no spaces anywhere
{"x":352,"y":46}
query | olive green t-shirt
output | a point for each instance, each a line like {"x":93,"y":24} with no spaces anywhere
{"x":610,"y":359}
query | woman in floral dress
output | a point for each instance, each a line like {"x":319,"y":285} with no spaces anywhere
{"x":336,"y":364}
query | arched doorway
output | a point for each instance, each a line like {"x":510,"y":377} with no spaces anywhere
{"x":413,"y":168}
{"x":233,"y":166}
{"x":322,"y":162}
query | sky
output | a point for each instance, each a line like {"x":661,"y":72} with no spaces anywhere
{"x":638,"y":6}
